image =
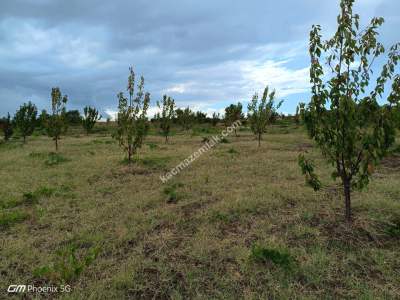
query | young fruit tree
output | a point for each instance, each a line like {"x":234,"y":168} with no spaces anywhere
{"x":233,"y":113}
{"x":132,"y":123}
{"x":166,"y":116}
{"x":344,"y":116}
{"x":261,"y":112}
{"x":25,"y":119}
{"x":90,"y":117}
{"x":215,"y":119}
{"x":7,"y":127}
{"x":185,"y":118}
{"x":56,"y":123}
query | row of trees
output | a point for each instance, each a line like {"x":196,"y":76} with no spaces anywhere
{"x":26,"y":119}
{"x":133,"y":125}
{"x":55,"y":124}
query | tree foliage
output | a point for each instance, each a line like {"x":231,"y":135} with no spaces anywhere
{"x":132,"y":123}
{"x":90,"y":117}
{"x":56,"y":123}
{"x":215,"y":118}
{"x":232,"y":114}
{"x":200,"y":117}
{"x":25,"y":119}
{"x":261,"y":112}
{"x":185,"y":117}
{"x":73,"y":117}
{"x":166,"y":116}
{"x":7,"y":126}
{"x":344,"y":116}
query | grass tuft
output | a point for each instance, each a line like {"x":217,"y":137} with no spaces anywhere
{"x":279,"y":257}
{"x":55,"y":159}
{"x":9,"y":218}
{"x":171,"y":192}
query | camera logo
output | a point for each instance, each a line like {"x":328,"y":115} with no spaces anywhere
{"x":16,"y":288}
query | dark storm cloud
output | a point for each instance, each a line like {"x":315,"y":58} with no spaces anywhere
{"x":202,"y":52}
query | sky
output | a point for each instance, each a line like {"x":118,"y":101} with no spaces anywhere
{"x":205,"y":54}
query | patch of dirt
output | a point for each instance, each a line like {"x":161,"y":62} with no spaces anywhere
{"x":333,"y":192}
{"x":391,"y":163}
{"x":303,"y":147}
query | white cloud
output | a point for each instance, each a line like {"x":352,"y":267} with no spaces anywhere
{"x":285,"y":80}
{"x":178,"y":88}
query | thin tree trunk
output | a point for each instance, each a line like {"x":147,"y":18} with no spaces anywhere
{"x":129,"y":153}
{"x":56,"y":139}
{"x":24,"y":139}
{"x":259,"y":139}
{"x":166,"y":139}
{"x":346,"y":186}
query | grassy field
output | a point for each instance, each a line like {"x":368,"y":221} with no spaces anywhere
{"x":239,"y":223}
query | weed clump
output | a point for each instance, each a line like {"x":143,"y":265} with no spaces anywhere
{"x":264,"y":255}
{"x":233,"y":151}
{"x":34,"y":197}
{"x":55,"y":159}
{"x":68,"y":265}
{"x":171,"y":192}
{"x":393,"y":229}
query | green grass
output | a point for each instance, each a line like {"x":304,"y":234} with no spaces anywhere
{"x":8,"y":218}
{"x":238,"y":223}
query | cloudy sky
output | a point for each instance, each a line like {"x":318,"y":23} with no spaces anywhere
{"x":206,"y":54}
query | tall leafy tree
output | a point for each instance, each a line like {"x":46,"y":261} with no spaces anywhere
{"x":25,"y":119}
{"x":132,"y":123}
{"x":166,"y":116}
{"x":233,"y":113}
{"x":344,"y":116}
{"x":57,"y":123}
{"x":7,"y":126}
{"x":261,"y":112}
{"x":90,"y":117}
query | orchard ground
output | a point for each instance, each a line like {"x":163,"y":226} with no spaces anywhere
{"x":237,"y":223}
